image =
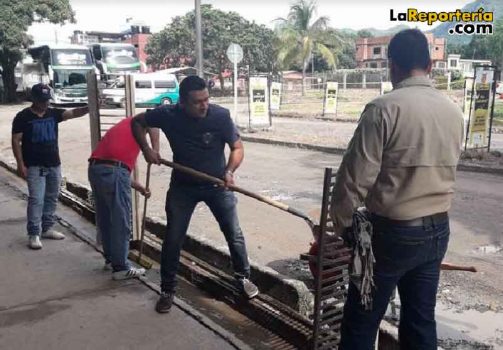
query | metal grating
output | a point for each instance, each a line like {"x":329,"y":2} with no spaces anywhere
{"x":330,"y":282}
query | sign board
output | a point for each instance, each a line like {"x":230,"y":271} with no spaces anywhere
{"x":480,"y":118}
{"x":386,"y":87}
{"x":259,"y":102}
{"x":275,"y":96}
{"x":331,"y":92}
{"x":234,"y":53}
{"x":480,"y":115}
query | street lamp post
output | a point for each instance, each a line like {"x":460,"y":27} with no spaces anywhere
{"x":199,"y":40}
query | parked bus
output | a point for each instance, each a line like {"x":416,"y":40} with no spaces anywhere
{"x":113,"y":59}
{"x":64,"y":68}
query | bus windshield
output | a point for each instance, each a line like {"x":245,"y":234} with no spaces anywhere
{"x":71,"y":79}
{"x":71,"y":57}
{"x":119,"y":54}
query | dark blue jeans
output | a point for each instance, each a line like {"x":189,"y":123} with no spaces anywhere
{"x":111,"y":187}
{"x":180,"y":204}
{"x":408,"y":258}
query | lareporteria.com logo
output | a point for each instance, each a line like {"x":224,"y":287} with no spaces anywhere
{"x":476,"y":22}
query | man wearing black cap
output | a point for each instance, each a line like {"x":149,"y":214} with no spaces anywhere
{"x":35,"y":147}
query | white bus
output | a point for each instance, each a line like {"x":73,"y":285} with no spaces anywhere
{"x":64,"y":68}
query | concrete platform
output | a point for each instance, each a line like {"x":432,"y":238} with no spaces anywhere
{"x":60,"y":298}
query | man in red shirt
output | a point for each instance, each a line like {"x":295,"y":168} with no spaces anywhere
{"x":110,"y":167}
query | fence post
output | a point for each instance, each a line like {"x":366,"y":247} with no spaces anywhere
{"x":344,"y":80}
{"x":364,"y":80}
{"x":130,"y":111}
{"x":94,"y":108}
{"x":448,"y":81}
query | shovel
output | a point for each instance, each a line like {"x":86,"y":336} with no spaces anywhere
{"x":220,"y":182}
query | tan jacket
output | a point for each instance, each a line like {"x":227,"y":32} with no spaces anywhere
{"x":401,"y":161}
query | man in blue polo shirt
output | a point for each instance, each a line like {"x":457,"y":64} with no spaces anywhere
{"x":197,"y":132}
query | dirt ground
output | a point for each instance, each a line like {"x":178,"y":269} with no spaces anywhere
{"x":470,"y":305}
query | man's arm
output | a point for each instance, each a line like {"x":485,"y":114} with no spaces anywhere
{"x":75,"y":113}
{"x":153,"y":133}
{"x":235,"y":158}
{"x":139,"y":187}
{"x":359,"y":168}
{"x":18,"y":154}
{"x":139,"y":127}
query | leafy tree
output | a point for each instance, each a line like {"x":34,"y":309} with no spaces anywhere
{"x":174,"y":46}
{"x":15,"y":18}
{"x":300,"y":34}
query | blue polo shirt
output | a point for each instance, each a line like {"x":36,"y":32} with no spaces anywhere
{"x":197,"y":143}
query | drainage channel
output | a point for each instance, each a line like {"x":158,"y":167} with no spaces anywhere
{"x":286,"y":328}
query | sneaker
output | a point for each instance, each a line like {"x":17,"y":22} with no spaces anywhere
{"x":247,"y":288}
{"x":34,"y":242}
{"x":107,"y":266}
{"x":164,"y":303}
{"x":52,"y":234}
{"x":128,"y":274}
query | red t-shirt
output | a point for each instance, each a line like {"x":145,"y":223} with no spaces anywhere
{"x":118,"y":144}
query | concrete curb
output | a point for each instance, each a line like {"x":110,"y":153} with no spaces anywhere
{"x":307,"y":146}
{"x":341,"y":151}
{"x":479,"y":169}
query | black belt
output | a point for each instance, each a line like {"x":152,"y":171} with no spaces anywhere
{"x":431,"y":220}
{"x":93,"y":161}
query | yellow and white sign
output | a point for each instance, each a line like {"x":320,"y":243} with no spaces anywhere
{"x":275,"y":96}
{"x":479,"y":123}
{"x":331,"y":92}
{"x":259,"y":101}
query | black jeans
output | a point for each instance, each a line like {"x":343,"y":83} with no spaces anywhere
{"x":407,"y":257}
{"x":180,"y":204}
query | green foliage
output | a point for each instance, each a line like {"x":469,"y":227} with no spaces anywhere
{"x":15,"y":19}
{"x":175,"y":44}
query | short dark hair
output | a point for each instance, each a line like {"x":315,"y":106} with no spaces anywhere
{"x":191,"y":83}
{"x":409,"y":50}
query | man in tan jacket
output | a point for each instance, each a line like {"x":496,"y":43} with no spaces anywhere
{"x":401,"y":164}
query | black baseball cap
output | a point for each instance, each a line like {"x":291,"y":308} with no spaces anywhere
{"x":41,"y":92}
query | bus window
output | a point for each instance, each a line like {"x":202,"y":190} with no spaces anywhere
{"x":164,"y":84}
{"x":143,"y":84}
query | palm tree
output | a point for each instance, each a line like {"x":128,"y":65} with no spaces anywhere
{"x":299,"y":35}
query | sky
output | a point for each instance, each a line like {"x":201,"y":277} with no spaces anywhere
{"x":110,"y":15}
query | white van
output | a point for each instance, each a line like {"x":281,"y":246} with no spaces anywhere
{"x":151,"y":89}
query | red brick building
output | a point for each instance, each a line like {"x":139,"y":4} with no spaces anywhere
{"x":373,"y":52}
